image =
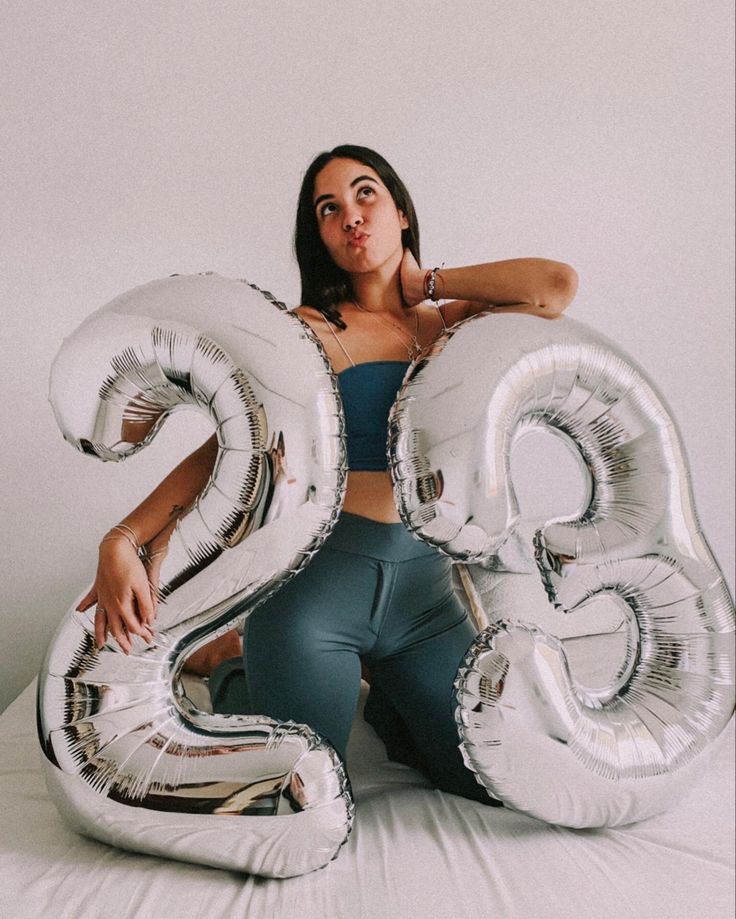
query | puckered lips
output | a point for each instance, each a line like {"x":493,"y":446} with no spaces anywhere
{"x":357,"y":240}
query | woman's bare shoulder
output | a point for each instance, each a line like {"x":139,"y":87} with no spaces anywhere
{"x":312,"y":316}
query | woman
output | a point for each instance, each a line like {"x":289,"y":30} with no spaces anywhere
{"x":373,"y":592}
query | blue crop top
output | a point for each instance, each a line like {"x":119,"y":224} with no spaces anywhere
{"x":368,"y":391}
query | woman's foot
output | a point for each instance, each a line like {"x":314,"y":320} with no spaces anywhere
{"x":205,"y":659}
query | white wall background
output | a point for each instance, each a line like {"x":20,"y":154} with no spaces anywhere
{"x":141,"y":139}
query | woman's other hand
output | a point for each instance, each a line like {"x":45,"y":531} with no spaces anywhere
{"x":412,"y":279}
{"x":123,"y":595}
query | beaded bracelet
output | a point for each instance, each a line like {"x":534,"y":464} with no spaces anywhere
{"x":430,"y":283}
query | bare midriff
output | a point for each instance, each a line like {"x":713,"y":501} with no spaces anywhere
{"x":370,"y":494}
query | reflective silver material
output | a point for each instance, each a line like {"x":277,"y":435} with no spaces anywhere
{"x":128,"y":758}
{"x":606,"y":671}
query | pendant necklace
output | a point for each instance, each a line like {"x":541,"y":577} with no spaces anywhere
{"x":413,"y":350}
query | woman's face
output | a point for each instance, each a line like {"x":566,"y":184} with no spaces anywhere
{"x":357,"y":218}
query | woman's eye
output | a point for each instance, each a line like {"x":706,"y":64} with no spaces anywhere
{"x":325,"y":211}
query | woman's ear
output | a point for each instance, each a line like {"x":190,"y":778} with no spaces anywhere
{"x":404,"y":221}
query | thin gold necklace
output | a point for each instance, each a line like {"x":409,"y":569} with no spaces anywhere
{"x":415,"y":350}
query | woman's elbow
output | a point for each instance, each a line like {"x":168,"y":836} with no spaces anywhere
{"x":562,"y":288}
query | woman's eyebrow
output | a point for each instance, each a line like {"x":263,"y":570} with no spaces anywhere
{"x":354,"y":182}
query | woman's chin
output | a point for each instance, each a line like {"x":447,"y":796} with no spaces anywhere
{"x":369,"y":264}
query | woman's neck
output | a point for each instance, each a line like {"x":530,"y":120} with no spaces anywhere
{"x":380,"y":290}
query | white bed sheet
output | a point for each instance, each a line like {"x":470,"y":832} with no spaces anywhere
{"x":414,"y":852}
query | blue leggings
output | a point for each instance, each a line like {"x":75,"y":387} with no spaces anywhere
{"x":375,"y":592}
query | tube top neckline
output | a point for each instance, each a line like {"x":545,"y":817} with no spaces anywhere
{"x":371,"y":363}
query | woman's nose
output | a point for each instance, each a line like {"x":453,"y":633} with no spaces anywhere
{"x":352,"y":220}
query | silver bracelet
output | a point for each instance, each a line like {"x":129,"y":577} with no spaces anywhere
{"x":129,"y":536}
{"x":122,"y":537}
{"x":123,"y":528}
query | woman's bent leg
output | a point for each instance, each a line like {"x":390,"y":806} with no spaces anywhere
{"x":419,"y":683}
{"x":425,"y":635}
{"x":383,"y":717}
{"x":291,"y":674}
{"x":301,"y":649}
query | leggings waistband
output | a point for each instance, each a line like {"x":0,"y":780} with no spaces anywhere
{"x":390,"y":542}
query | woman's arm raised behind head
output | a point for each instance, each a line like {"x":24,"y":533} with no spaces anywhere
{"x":523,"y":285}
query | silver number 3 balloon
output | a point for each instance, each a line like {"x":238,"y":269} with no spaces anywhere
{"x":607,"y":666}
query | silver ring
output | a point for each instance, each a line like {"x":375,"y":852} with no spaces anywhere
{"x":100,"y":609}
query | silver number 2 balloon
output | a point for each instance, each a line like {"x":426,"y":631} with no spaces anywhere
{"x":128,"y":758}
{"x":606,"y":670}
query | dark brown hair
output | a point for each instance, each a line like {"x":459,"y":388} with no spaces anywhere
{"x":325,"y":284}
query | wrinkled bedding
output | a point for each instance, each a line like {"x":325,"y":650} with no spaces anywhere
{"x":413,"y":852}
